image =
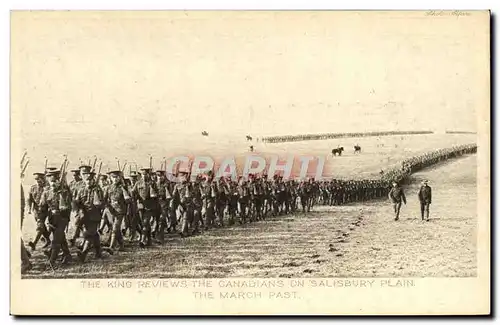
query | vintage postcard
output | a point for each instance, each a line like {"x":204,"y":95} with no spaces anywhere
{"x":250,"y":162}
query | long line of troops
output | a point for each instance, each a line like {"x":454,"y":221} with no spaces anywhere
{"x":324,"y":136}
{"x":145,"y":206}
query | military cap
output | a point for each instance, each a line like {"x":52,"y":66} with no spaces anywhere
{"x":75,"y":171}
{"x":103,"y":176}
{"x":55,"y":173}
{"x":38,"y":175}
{"x":134,"y":174}
{"x":114,"y":173}
{"x":51,"y":169}
{"x":88,"y":172}
{"x":85,"y":169}
{"x":160,"y":172}
{"x":146,"y":169}
{"x":425,"y":181}
{"x":182,"y":172}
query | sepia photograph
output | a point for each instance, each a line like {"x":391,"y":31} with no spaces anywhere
{"x":153,"y":149}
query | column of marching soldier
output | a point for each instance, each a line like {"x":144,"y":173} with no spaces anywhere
{"x":143,"y":207}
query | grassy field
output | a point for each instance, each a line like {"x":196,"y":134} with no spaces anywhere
{"x":354,"y":241}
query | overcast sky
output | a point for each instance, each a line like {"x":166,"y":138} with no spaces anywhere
{"x":261,"y":73}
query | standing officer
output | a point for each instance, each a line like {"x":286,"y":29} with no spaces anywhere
{"x":397,"y":195}
{"x":425,"y":198}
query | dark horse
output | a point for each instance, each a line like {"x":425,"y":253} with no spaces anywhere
{"x":204,"y":133}
{"x":357,"y":149}
{"x":337,"y":151}
{"x":249,"y":138}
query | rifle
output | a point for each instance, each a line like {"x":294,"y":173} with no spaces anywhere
{"x":46,"y":162}
{"x":24,"y":168}
{"x":23,"y":157}
{"x":64,"y":165}
{"x":95,"y":161}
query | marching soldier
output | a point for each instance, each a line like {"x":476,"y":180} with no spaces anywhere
{"x":232,"y":199}
{"x":208,"y":196}
{"x":89,"y":201}
{"x":222,"y":200}
{"x":116,"y":199}
{"x":183,"y":196}
{"x":425,"y":199}
{"x":243,"y":200}
{"x":195,"y":189}
{"x":84,"y":172}
{"x":25,"y":257}
{"x":164,"y":197}
{"x":55,"y":202}
{"x":133,"y":223}
{"x":146,"y":193}
{"x":397,"y":195}
{"x":34,"y":207}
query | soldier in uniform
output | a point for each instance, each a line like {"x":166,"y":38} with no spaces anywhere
{"x":196,"y":193}
{"x":164,"y":198}
{"x":208,"y":196}
{"x":147,"y":199}
{"x":304,"y":196}
{"x":56,"y":204}
{"x":425,"y":199}
{"x":132,"y":222}
{"x":116,"y":198}
{"x":89,"y":201}
{"x":34,"y":198}
{"x":84,"y":171}
{"x":232,"y":199}
{"x":397,"y":195}
{"x":222,"y":200}
{"x":25,"y":258}
{"x":107,"y":217}
{"x":182,"y":195}
{"x":243,"y":200}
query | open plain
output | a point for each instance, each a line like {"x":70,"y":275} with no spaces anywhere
{"x":356,"y":240}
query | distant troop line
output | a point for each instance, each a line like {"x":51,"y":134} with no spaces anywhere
{"x":145,"y":206}
{"x":325,"y":136}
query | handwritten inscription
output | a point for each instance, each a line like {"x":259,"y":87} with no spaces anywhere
{"x":456,"y":13}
